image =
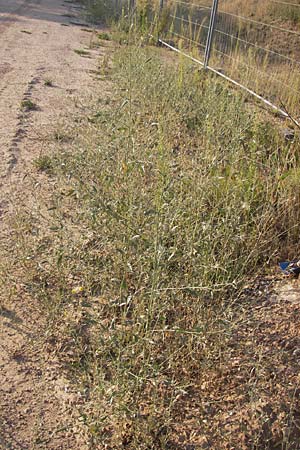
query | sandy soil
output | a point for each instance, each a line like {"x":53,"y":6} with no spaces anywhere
{"x":37,"y":43}
{"x":39,"y":408}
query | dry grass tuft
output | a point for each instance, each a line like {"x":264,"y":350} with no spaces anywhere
{"x":172,"y":195}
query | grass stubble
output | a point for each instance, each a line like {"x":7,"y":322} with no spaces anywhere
{"x":173,"y":195}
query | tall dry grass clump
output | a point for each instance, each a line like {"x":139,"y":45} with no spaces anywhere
{"x":174,"y":194}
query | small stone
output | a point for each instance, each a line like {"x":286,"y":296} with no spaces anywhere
{"x":296,"y":352}
{"x":289,"y":134}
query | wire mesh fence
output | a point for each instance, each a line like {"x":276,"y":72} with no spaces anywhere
{"x":254,"y":43}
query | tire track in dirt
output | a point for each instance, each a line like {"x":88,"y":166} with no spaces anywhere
{"x":37,"y":404}
{"x":20,"y":133}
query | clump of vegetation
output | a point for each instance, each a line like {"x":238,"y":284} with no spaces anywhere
{"x":81,"y":52}
{"x":28,"y":105}
{"x":62,"y":136}
{"x":104,"y":36}
{"x":172,"y":197}
{"x":44,"y":163}
{"x":48,"y":82}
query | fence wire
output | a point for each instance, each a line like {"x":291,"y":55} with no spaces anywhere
{"x":258,"y":48}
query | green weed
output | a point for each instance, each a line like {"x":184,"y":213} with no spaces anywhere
{"x":44,"y":163}
{"x":48,"y":82}
{"x":81,"y":52}
{"x":169,"y":201}
{"x":104,"y":36}
{"x":28,"y":105}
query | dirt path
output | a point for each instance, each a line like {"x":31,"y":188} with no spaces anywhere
{"x":37,"y":43}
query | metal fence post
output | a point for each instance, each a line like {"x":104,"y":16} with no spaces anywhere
{"x":211,"y":30}
{"x":161,"y":5}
